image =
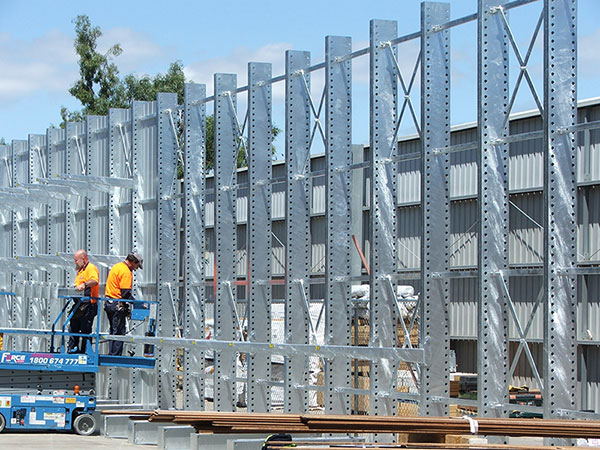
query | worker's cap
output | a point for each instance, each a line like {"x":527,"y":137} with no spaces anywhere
{"x":136,"y":258}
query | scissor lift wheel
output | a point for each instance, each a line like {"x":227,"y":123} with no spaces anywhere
{"x":84,"y":424}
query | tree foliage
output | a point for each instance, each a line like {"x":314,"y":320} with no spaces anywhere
{"x":100,"y":87}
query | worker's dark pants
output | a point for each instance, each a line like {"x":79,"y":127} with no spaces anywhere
{"x":81,"y":322}
{"x":116,"y":319}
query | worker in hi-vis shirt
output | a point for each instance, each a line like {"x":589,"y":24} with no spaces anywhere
{"x":86,"y":281}
{"x":118,"y":286}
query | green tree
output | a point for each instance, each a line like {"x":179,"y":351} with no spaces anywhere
{"x":100,"y":87}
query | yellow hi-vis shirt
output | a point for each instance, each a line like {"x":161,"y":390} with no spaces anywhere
{"x":119,"y":277}
{"x":89,"y":272}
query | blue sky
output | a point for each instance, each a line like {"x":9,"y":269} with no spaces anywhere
{"x":38,"y":62}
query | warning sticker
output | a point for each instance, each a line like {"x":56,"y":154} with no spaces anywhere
{"x":70,"y":400}
{"x":58,"y":400}
{"x":27,"y":399}
{"x":5,"y":402}
{"x":34,"y":421}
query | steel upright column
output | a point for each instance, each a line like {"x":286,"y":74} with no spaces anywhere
{"x":492,"y":98}
{"x":226,"y":231}
{"x":259,"y":232}
{"x":119,"y":125}
{"x":37,"y":241}
{"x":55,"y":141}
{"x":97,"y":204}
{"x":142,"y":235}
{"x":560,"y":195}
{"x":5,"y":230}
{"x":435,"y":207}
{"x":338,"y":312}
{"x":167,"y":277}
{"x":298,"y":251}
{"x":382,"y":312}
{"x":20,"y":174}
{"x":195,"y":241}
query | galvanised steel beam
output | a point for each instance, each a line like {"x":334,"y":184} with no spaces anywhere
{"x":560,"y":195}
{"x":37,"y":163}
{"x":75,"y":164}
{"x":259,"y":232}
{"x":143,"y":220}
{"x":5,"y":229}
{"x":383,"y":111}
{"x":338,"y":311}
{"x":55,"y":141}
{"x":6,"y":241}
{"x":435,"y":205}
{"x":298,"y":251}
{"x":194,"y":179}
{"x":167,"y":276}
{"x":20,"y":175}
{"x":98,"y":158}
{"x":225,"y":325}
{"x":119,"y":166}
{"x":492,"y":99}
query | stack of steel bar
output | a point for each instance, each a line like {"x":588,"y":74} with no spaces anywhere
{"x":238,"y":422}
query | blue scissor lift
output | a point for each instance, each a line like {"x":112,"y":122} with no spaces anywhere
{"x":34,"y":391}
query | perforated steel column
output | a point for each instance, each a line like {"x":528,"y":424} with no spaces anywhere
{"x":119,"y":222}
{"x":55,"y":139}
{"x":97,"y":204}
{"x":37,"y":241}
{"x":298,"y":251}
{"x":142,"y":221}
{"x":20,"y":175}
{"x":195,"y":241}
{"x":259,"y":232}
{"x":167,"y":256}
{"x":226,"y":233}
{"x":492,"y":343}
{"x":560,"y":194}
{"x":338,"y":113}
{"x":5,"y":231}
{"x":382,"y":312}
{"x":435,"y":208}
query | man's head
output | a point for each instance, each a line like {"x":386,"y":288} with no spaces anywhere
{"x":80,"y":258}
{"x":135,"y":261}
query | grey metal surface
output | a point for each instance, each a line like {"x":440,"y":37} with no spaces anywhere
{"x":259,"y":233}
{"x":297,"y":253}
{"x":435,"y":125}
{"x":382,"y":262}
{"x":37,"y":240}
{"x":492,"y":335}
{"x":116,"y":426}
{"x":338,"y":314}
{"x":173,"y":437}
{"x":225,"y":325}
{"x":560,"y":196}
{"x":194,"y":207}
{"x":142,"y":432}
{"x":167,"y":277}
{"x":142,"y":216}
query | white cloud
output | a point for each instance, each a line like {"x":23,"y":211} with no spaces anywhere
{"x":47,"y":63}
{"x":138,"y":48}
{"x":237,"y":62}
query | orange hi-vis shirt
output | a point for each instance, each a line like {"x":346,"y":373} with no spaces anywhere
{"x":89,"y":272}
{"x":119,"y":277}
